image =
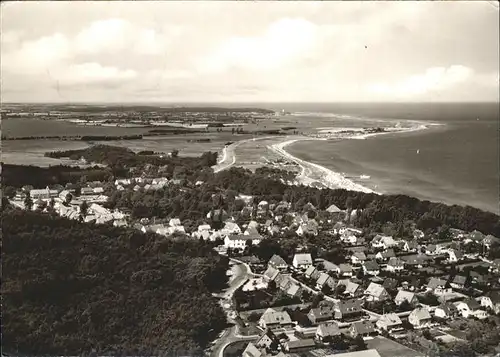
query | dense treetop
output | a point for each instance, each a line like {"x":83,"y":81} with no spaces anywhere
{"x":69,"y":287}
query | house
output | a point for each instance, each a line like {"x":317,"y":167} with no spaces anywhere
{"x":271,"y":273}
{"x":438,"y":286}
{"x":273,"y":319}
{"x":491,"y":301}
{"x":302,"y":261}
{"x":454,"y":255}
{"x":40,"y":194}
{"x":407,"y":296}
{"x":445,"y":311}
{"x":371,"y":268}
{"x":174,"y":222}
{"x":252,"y":351}
{"x":299,"y":345}
{"x":362,"y":328}
{"x":358,"y":258}
{"x":120,"y":223}
{"x":348,"y":309}
{"x":420,"y":318}
{"x":230,"y":228}
{"x":376,"y":292}
{"x":344,"y":270}
{"x":204,"y":231}
{"x":312,"y":273}
{"x":310,"y":228}
{"x":327,"y":331}
{"x":471,"y":308}
{"x":415,"y":260}
{"x":384,"y":242}
{"x":348,"y":238}
{"x":490,"y":241}
{"x":458,"y":282}
{"x":239,"y":241}
{"x":325,"y":280}
{"x":395,"y":265}
{"x":352,"y":289}
{"x":390,"y":284}
{"x":277,"y":262}
{"x":390,"y":323}
{"x":335,"y":213}
{"x":324,"y":312}
{"x":294,"y":290}
{"x":267,"y":340}
{"x":284,"y":281}
{"x":339,"y":228}
{"x":410,"y":246}
{"x":385,"y":255}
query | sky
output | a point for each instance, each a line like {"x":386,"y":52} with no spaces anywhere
{"x":224,"y":51}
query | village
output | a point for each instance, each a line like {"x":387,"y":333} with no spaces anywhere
{"x":380,"y":294}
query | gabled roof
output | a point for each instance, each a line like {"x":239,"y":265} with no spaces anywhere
{"x":390,"y":283}
{"x":395,"y":262}
{"x":421,"y":313}
{"x":389,"y":253}
{"x":362,"y":327}
{"x":404,"y":295}
{"x":333,"y":209}
{"x":271,"y":316}
{"x":375,"y":290}
{"x":267,"y":333}
{"x":472,"y":304}
{"x":349,"y":306}
{"x":459,"y":279}
{"x":371,"y":265}
{"x":309,"y":342}
{"x":252,"y":351}
{"x":351,"y":287}
{"x":359,"y":255}
{"x":328,"y":329}
{"x":293,"y":290}
{"x":345,"y":268}
{"x":276,"y":260}
{"x":435,"y":283}
{"x":389,"y":320}
{"x":271,"y":273}
{"x":310,"y":270}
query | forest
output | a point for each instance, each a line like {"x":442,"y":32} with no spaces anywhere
{"x":70,"y":287}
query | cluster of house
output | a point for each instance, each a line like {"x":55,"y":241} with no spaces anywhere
{"x":66,"y":203}
{"x":144,"y":183}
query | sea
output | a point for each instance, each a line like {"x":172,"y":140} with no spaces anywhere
{"x":455,"y":162}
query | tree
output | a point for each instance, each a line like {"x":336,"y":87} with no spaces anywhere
{"x":83,"y":209}
{"x":28,"y":202}
{"x":359,"y":343}
{"x":174,"y":153}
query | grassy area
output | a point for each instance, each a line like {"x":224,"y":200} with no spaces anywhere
{"x":389,"y":348}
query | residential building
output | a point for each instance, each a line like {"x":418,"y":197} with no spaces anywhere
{"x":278,"y":262}
{"x":358,"y":258}
{"x":230,"y":228}
{"x":407,"y":296}
{"x":302,"y":261}
{"x":410,"y":246}
{"x":325,"y":280}
{"x":371,"y":267}
{"x":344,"y":270}
{"x":458,"y":282}
{"x":299,"y":345}
{"x":491,"y":301}
{"x":446,"y":311}
{"x":353,"y":289}
{"x":273,"y":319}
{"x":271,"y":273}
{"x":348,"y":309}
{"x":362,"y":328}
{"x":384,"y":242}
{"x":395,"y":265}
{"x":312,"y":273}
{"x":252,"y":351}
{"x":324,"y":312}
{"x":454,"y":255}
{"x":420,"y":318}
{"x":267,"y":340}
{"x":327,"y":330}
{"x":390,"y":323}
{"x":438,"y":286}
{"x":376,"y":292}
{"x":471,"y":308}
{"x":310,"y":228}
{"x":239,"y":241}
{"x":385,"y":255}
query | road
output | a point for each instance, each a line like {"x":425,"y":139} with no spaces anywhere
{"x":229,"y":154}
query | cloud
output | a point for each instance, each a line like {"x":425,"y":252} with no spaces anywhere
{"x":433,"y":79}
{"x":284,"y":41}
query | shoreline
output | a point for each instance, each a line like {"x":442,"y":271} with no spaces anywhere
{"x":315,"y":174}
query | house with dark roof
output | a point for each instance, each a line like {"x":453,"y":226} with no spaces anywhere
{"x":458,"y":282}
{"x":471,"y":308}
{"x":348,"y":309}
{"x":370,"y":267}
{"x":324,"y":312}
{"x":385,"y":255}
{"x":438,"y":286}
{"x":344,"y":270}
{"x":395,"y":265}
{"x":446,"y":311}
{"x":410,"y":246}
{"x":362,"y":328}
{"x":325,"y":280}
{"x":312,"y":273}
{"x":358,"y":258}
{"x":454,"y":255}
{"x":271,"y":273}
{"x":390,"y":284}
{"x":299,"y":345}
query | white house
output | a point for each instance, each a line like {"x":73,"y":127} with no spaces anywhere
{"x":302,"y":261}
{"x":230,"y":228}
{"x":239,"y":241}
{"x":385,"y":242}
{"x":395,"y":265}
{"x":471,"y":308}
{"x":492,"y":301}
{"x":273,"y":319}
{"x":420,"y":318}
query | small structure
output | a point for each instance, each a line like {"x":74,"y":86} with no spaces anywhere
{"x":268,"y":340}
{"x":327,"y":330}
{"x":390,"y":323}
{"x":358,"y":258}
{"x":277,"y":262}
{"x":420,"y":318}
{"x":376,"y":292}
{"x":240,"y":241}
{"x":371,"y":267}
{"x":252,"y":351}
{"x":395,"y":265}
{"x":302,"y":261}
{"x":299,"y":345}
{"x":407,"y":296}
{"x":446,"y":311}
{"x":491,"y":301}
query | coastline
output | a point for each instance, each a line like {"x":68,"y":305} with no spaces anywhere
{"x":313,"y":174}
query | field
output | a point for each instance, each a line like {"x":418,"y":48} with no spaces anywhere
{"x":389,"y":348}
